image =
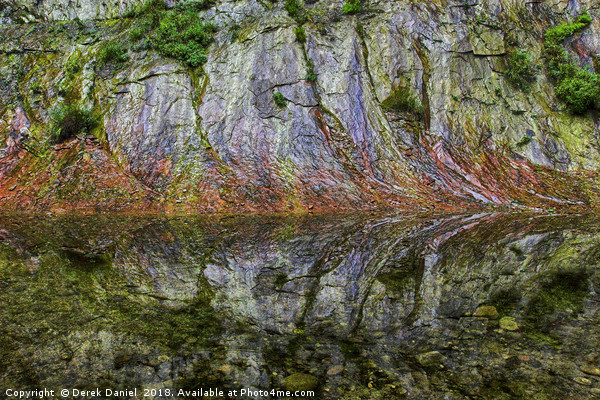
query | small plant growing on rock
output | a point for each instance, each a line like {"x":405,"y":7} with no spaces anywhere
{"x":310,"y":75}
{"x":352,"y":7}
{"x":112,"y":53}
{"x":580,"y":89}
{"x":520,"y":72}
{"x":280,"y":101}
{"x":137,"y":33}
{"x":234,"y":31}
{"x":69,"y":121}
{"x":563,"y":31}
{"x":300,"y":34}
{"x":402,"y":100}
{"x":293,"y":8}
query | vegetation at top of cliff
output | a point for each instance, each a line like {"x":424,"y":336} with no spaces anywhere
{"x":69,"y":121}
{"x":402,"y":100}
{"x":178,"y":33}
{"x":352,"y":7}
{"x":520,"y":72}
{"x":577,"y":87}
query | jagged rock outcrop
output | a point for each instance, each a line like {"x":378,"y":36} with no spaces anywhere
{"x":213,"y":139}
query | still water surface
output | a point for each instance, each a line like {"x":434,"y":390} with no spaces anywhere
{"x":350,"y":307}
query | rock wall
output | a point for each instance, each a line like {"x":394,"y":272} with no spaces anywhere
{"x":213,"y":139}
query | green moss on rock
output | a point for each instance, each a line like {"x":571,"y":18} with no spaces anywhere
{"x":577,"y":87}
{"x":520,"y":72}
{"x":300,"y":382}
{"x":401,"y":99}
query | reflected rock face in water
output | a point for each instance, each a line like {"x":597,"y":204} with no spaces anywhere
{"x":482,"y":306}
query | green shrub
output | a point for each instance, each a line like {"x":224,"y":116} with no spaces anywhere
{"x":279,"y":100}
{"x":293,"y":8}
{"x":402,"y":100}
{"x":300,"y":34}
{"x":555,"y":54}
{"x":69,"y":121}
{"x":360,"y":29}
{"x":584,"y":19}
{"x":520,"y":71}
{"x":578,"y":88}
{"x":178,"y":33}
{"x":352,"y":7}
{"x":112,"y":53}
{"x":183,"y":37}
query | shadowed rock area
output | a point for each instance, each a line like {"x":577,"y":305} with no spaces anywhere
{"x":486,"y":306}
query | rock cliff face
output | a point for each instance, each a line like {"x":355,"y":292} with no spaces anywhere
{"x":212,"y":138}
{"x":481,"y":306}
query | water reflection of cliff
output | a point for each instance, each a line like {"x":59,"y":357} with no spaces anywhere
{"x":489,"y":306}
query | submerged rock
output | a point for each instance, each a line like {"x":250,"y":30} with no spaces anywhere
{"x":590,"y":369}
{"x":300,"y":382}
{"x":582,"y":381}
{"x":430,"y":359}
{"x":335,"y":370}
{"x":509,"y":324}
{"x":486,"y":312}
